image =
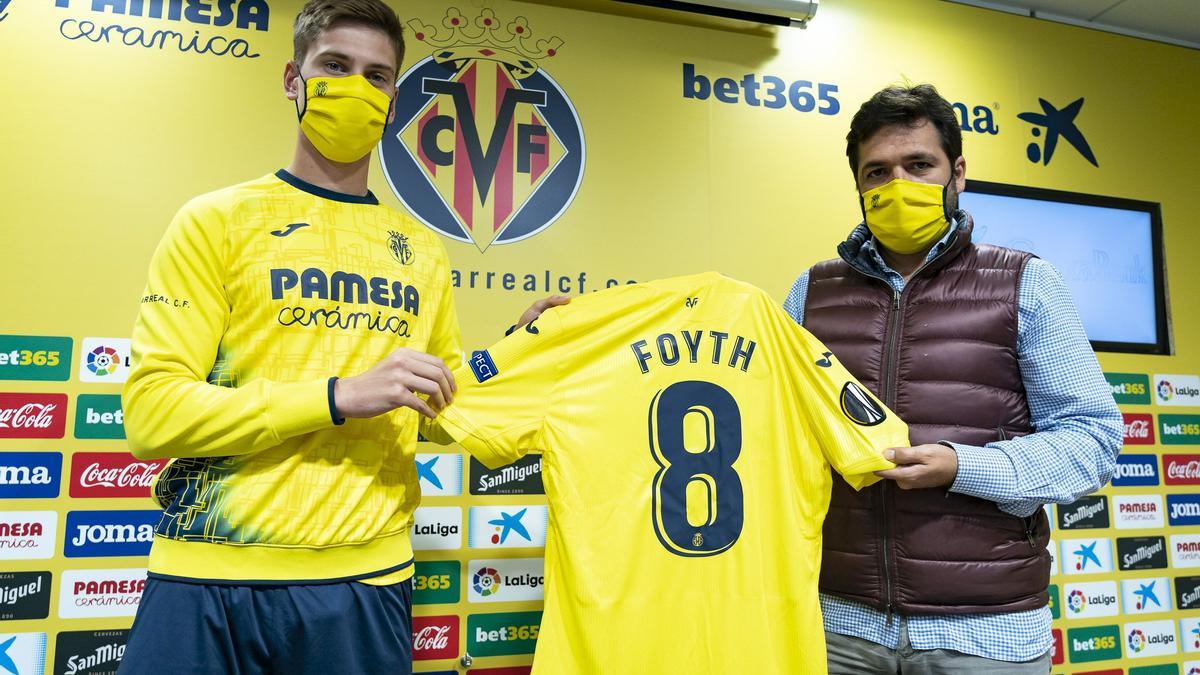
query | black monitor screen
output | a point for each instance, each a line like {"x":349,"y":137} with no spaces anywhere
{"x":1109,"y":251}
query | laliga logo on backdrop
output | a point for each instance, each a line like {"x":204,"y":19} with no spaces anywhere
{"x":1165,"y":390}
{"x":1076,"y":602}
{"x":486,"y":148}
{"x":1137,"y":641}
{"x":486,"y":581}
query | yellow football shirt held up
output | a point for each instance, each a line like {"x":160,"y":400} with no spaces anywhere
{"x":687,"y":428}
{"x":257,"y":295}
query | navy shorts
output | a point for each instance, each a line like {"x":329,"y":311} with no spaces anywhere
{"x":328,"y":628}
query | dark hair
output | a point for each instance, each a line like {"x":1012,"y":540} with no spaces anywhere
{"x":320,"y":15}
{"x":909,"y":106}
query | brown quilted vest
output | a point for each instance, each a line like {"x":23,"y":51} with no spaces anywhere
{"x":942,"y":355}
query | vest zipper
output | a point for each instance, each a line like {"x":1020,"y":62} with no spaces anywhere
{"x":889,"y":400}
{"x":887,"y":382}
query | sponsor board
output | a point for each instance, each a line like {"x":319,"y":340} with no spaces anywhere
{"x":1129,"y":388}
{"x":1189,"y":635}
{"x":436,"y":582}
{"x":104,"y":360}
{"x":92,"y":534}
{"x":1187,"y":593}
{"x":440,"y":474}
{"x":1086,"y":513}
{"x":435,"y":637}
{"x":504,"y":634}
{"x":1180,"y":390}
{"x":437,"y":528}
{"x":33,"y":415}
{"x":1146,"y":596}
{"x":1181,"y":469}
{"x":1090,"y":599}
{"x":24,"y":595}
{"x":1139,"y":429}
{"x":99,"y":416}
{"x":27,"y":535}
{"x":1135,"y":470}
{"x":1142,"y":553}
{"x":1094,"y":643}
{"x":24,"y":653}
{"x":35,"y":357}
{"x":89,"y":652}
{"x":1150,"y":638}
{"x":1185,"y":550}
{"x":30,"y":475}
{"x":521,"y":526}
{"x":1183,"y":509}
{"x":522,"y":477}
{"x":1087,"y":556}
{"x":94,"y":594}
{"x":506,"y":580}
{"x":112,"y":474}
{"x":1179,"y":430}
{"x":1137,"y":512}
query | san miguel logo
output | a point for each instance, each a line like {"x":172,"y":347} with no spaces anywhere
{"x":486,"y":148}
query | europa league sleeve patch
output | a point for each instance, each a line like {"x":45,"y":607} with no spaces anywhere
{"x":483,"y":366}
{"x":859,"y":407}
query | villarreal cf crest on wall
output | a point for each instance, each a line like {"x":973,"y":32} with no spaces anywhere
{"x":486,"y":147}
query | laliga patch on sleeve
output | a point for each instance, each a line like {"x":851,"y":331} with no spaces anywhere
{"x":483,"y":366}
{"x":859,"y":407}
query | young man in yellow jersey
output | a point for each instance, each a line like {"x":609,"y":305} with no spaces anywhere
{"x":284,"y":542}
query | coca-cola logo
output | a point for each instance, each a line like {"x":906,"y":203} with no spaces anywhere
{"x":435,"y":637}
{"x":1182,"y":469}
{"x":112,"y":474}
{"x":432,"y":637}
{"x":33,"y":415}
{"x":28,"y":416}
{"x":1139,"y":429}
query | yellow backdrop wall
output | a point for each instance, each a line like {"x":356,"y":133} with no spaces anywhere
{"x":114,"y":112}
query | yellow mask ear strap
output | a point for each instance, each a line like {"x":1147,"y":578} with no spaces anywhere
{"x":303,"y":95}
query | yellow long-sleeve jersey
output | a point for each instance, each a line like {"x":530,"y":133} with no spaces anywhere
{"x":258,"y":296}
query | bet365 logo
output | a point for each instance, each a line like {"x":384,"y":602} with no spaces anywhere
{"x":486,"y":147}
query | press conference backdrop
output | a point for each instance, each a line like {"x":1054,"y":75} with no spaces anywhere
{"x":641,"y":145}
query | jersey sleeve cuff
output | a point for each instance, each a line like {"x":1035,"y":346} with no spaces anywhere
{"x":299,"y":407}
{"x":982,"y":472}
{"x":333,"y":414}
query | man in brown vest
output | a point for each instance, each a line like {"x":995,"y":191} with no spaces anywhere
{"x":944,"y":567}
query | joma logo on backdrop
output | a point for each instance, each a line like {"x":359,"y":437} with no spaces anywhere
{"x":486,"y":147}
{"x":236,"y":14}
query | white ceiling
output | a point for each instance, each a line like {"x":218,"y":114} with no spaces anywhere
{"x":1172,"y":21}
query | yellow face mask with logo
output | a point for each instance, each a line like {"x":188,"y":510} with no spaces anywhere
{"x":343,"y":117}
{"x":905,"y":216}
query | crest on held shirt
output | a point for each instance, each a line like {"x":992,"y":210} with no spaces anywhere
{"x":859,"y":407}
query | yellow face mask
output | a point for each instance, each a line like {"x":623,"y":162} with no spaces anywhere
{"x":905,"y":216}
{"x":343,"y":117}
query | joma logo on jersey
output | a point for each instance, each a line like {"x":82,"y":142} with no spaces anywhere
{"x":486,"y":148}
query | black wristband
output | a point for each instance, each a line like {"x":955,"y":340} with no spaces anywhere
{"x":333,"y":404}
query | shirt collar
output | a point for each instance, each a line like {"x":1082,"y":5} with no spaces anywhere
{"x":869,"y":252}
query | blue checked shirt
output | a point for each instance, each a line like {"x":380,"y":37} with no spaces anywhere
{"x":1073,"y":452}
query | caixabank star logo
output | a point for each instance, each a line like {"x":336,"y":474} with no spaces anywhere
{"x":486,"y":148}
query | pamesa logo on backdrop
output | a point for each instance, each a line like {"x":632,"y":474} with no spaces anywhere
{"x":486,"y":148}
